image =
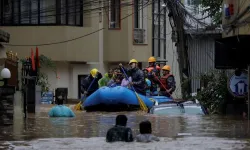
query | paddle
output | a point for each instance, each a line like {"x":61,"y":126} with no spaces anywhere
{"x":79,"y":105}
{"x":141,"y":103}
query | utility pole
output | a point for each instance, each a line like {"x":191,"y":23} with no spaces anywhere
{"x":181,"y":45}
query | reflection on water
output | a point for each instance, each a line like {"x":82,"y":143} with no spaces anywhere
{"x":96,"y":124}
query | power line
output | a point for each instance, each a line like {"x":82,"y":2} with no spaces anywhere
{"x":35,"y":12}
{"x":65,"y":41}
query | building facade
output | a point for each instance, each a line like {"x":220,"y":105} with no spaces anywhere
{"x":79,"y":34}
{"x":235,"y":18}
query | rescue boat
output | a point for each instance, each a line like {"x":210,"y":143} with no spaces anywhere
{"x":119,"y":98}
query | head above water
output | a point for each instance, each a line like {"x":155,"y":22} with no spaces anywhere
{"x":59,"y":101}
{"x":145,"y":127}
{"x":121,"y":120}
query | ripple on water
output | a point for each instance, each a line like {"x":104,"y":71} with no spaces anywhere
{"x":96,"y":124}
{"x":165,"y":143}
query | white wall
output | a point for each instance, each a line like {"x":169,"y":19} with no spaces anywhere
{"x":172,"y":59}
{"x":68,"y":76}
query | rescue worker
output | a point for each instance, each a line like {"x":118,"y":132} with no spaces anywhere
{"x":137,"y":76}
{"x":153,"y":70}
{"x":116,"y":79}
{"x":120,"y":132}
{"x":125,"y":82}
{"x":148,"y":82}
{"x":90,"y":84}
{"x":107,"y":77}
{"x":166,"y":82}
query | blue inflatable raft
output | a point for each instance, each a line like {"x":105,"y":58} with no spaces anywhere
{"x":118,"y":98}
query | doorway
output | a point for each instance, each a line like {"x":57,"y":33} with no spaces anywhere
{"x":80,"y":78}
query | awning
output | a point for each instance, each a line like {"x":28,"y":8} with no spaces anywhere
{"x":4,"y":36}
{"x":232,"y":52}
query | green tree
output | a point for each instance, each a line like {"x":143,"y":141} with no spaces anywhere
{"x":214,"y":9}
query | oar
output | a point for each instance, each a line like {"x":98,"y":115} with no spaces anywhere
{"x":141,"y":103}
{"x":83,"y":98}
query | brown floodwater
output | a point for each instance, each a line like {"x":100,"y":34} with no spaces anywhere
{"x":95,"y":124}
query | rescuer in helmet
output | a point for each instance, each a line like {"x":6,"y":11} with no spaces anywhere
{"x":153,"y":70}
{"x":136,"y":75}
{"x":93,"y":77}
{"x":166,"y":82}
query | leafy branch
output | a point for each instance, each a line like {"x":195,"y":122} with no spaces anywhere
{"x":214,"y":9}
{"x":214,"y":92}
{"x":42,"y":78}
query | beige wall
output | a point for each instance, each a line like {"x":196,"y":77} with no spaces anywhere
{"x":239,"y":6}
{"x":68,"y":74}
{"x":118,"y":44}
{"x":84,"y":49}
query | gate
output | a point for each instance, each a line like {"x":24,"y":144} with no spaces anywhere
{"x":29,"y":81}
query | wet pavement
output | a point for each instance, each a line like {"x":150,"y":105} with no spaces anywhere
{"x":87,"y":131}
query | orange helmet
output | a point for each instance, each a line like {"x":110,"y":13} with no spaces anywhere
{"x":151,"y":59}
{"x":166,"y":67}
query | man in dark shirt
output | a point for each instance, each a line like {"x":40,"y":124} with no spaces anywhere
{"x":120,"y":132}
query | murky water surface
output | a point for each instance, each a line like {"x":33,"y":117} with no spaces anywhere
{"x":87,"y":131}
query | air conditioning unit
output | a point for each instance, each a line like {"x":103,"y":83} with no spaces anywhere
{"x":139,"y":36}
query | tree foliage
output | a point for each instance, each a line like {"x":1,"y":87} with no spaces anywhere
{"x":214,"y":94}
{"x":214,"y":9}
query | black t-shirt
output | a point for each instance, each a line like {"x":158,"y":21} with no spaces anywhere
{"x":119,"y":133}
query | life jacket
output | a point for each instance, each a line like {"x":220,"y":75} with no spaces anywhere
{"x":154,"y":69}
{"x":164,"y":83}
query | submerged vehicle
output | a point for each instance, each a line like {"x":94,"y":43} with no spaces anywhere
{"x":119,"y":98}
{"x":179,"y":108}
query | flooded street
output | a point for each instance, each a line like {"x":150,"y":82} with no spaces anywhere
{"x":88,"y":131}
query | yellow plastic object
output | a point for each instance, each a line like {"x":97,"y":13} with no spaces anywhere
{"x":93,"y":72}
{"x":151,"y":59}
{"x":142,"y":104}
{"x":166,"y":67}
{"x":133,"y":61}
{"x":78,"y":106}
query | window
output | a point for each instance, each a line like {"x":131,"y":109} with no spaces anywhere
{"x":140,"y":21}
{"x":159,"y":29}
{"x":115,"y":14}
{"x":41,"y":12}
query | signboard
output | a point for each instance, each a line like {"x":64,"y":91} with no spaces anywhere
{"x":47,"y":97}
{"x":238,"y":85}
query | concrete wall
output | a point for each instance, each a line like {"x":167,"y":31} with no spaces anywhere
{"x":118,"y":44}
{"x":68,"y":76}
{"x":243,"y":23}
